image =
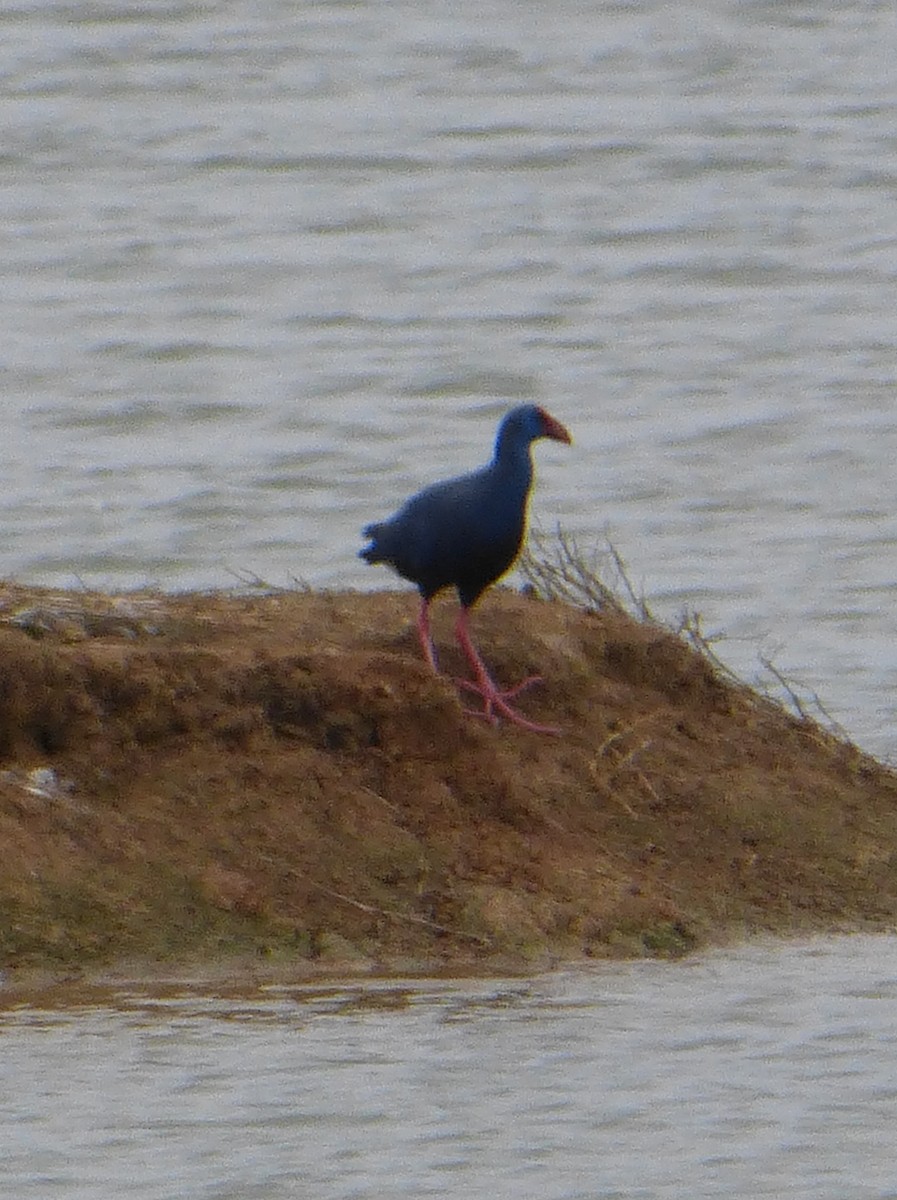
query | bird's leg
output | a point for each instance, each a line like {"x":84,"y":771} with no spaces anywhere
{"x":495,"y":701}
{"x":426,"y":638}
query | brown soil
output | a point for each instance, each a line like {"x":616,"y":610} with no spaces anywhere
{"x":278,"y":780}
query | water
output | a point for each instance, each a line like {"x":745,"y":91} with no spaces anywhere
{"x":762,"y":1072}
{"x":268,"y":268}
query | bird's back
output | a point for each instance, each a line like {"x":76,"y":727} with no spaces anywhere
{"x":464,"y":532}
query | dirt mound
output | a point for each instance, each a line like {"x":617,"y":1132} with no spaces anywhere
{"x":278,"y":778}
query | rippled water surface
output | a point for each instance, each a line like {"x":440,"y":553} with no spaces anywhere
{"x":265,"y":269}
{"x":268,"y":267}
{"x":765,"y":1072}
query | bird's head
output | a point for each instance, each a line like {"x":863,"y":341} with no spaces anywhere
{"x":526,"y":424}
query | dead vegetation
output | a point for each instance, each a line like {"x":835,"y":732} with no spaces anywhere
{"x":599,"y":580}
{"x":275,"y":777}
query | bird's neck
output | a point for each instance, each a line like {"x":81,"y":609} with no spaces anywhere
{"x":514,"y":462}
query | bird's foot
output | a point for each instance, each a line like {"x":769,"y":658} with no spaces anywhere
{"x":495,"y":703}
{"x":492,"y":689}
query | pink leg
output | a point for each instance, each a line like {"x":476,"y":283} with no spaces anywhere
{"x":495,"y":701}
{"x":426,"y":638}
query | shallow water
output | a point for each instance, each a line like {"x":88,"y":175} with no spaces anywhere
{"x":268,"y":268}
{"x":767,"y":1071}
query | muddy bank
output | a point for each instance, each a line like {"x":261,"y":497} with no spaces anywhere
{"x":278,"y":780}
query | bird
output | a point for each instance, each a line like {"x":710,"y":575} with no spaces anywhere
{"x":466,"y":533}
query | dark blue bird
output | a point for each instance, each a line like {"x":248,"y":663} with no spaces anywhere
{"x":466,"y":533}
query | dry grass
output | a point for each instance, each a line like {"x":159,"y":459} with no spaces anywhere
{"x":277,"y":776}
{"x":599,"y":580}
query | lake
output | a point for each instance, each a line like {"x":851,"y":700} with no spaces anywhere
{"x":267,"y":269}
{"x":766,"y":1071}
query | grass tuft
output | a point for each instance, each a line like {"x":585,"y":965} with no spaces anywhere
{"x":599,"y":580}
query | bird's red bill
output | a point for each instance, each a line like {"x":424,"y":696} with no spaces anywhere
{"x":552,"y":428}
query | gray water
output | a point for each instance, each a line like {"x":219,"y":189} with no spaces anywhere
{"x":760,"y":1073}
{"x":267,"y":268}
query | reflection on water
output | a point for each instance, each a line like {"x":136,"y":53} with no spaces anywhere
{"x":762,"y":1072}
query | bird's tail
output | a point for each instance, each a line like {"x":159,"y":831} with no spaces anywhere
{"x":372,"y":553}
